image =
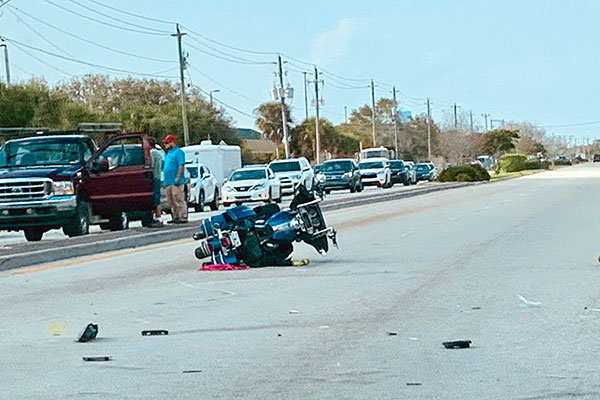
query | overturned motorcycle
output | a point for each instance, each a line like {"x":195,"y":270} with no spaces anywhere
{"x":264,"y":235}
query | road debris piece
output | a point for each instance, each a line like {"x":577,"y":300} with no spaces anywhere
{"x":457,"y":344}
{"x":413,"y":383}
{"x":222,"y":267}
{"x":526,"y":303}
{"x":413,"y":338}
{"x":392,"y":333}
{"x":192,"y":371}
{"x":475,"y":308}
{"x":301,"y":262}
{"x":155,"y":332}
{"x":324,"y":327}
{"x":99,"y":358}
{"x":89,"y":333}
{"x":293,"y":311}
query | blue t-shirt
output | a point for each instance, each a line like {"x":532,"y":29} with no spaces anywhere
{"x":174,"y":158}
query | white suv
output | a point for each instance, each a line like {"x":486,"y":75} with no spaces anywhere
{"x":293,"y":172}
{"x":251,"y":183}
{"x":204,"y":189}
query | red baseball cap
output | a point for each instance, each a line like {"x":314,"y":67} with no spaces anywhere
{"x":169,"y":139}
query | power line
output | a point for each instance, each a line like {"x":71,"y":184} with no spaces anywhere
{"x":569,"y":125}
{"x":226,"y":56}
{"x":11,"y":8}
{"x":85,"y":62}
{"x":223,"y":86}
{"x":132,"y":14}
{"x":41,"y":61}
{"x":102,"y":22}
{"x":117,"y":19}
{"x":225,"y":104}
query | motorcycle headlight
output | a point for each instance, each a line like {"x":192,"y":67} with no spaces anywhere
{"x":63,"y":188}
{"x":321,"y":177}
{"x":260,"y":186}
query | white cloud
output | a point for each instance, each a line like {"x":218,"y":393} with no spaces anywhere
{"x":332,"y":46}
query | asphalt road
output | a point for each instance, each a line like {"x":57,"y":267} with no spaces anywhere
{"x":366,"y":321}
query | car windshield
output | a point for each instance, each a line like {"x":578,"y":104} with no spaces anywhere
{"x":332,"y":166}
{"x":422,"y":167}
{"x":396,"y":165}
{"x":193,"y":172}
{"x":40,"y":153}
{"x":370,"y":165}
{"x":241,"y":175}
{"x":285,"y":166}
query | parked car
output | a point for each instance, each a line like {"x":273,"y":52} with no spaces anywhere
{"x":425,"y":172}
{"x":596,"y":158}
{"x":340,"y":174}
{"x":204,"y":189}
{"x":562,"y":160}
{"x":399,"y":172}
{"x":252,"y":183}
{"x":63,"y":181}
{"x":412,"y":173}
{"x":376,"y":172}
{"x":292,"y":172}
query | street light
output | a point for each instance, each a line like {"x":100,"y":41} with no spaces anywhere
{"x":210,"y":95}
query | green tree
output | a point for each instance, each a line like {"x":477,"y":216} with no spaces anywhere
{"x":303,"y":138}
{"x":499,"y":141}
{"x":269,"y":120}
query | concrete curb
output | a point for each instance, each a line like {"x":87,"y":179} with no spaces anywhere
{"x":85,"y":245}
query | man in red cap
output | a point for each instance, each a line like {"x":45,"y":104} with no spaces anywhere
{"x":174,"y":179}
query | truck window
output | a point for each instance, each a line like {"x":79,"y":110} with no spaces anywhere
{"x":43,"y":152}
{"x":124,"y":152}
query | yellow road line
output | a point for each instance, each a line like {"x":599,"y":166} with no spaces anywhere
{"x":98,"y":257}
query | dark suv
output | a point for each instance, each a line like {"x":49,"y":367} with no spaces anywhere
{"x":399,"y":172}
{"x":340,"y":174}
{"x":64,"y":181}
{"x":596,"y":158}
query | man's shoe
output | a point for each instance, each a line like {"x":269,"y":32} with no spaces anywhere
{"x":181,"y":221}
{"x":157,"y":224}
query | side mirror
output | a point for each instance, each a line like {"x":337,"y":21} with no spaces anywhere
{"x":99,"y":165}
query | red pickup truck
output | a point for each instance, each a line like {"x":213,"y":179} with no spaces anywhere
{"x":65,"y":181}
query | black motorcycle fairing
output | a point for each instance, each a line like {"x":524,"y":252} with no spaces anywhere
{"x":301,"y":196}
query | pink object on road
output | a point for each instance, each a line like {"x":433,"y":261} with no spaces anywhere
{"x":220,"y":267}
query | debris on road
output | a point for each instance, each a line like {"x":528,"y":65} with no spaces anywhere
{"x":222,"y":267}
{"x":457,"y":344}
{"x":324,"y":327}
{"x":89,"y":333}
{"x":301,"y":262}
{"x":413,"y":383}
{"x":192,"y":371}
{"x":101,"y":358}
{"x":526,"y":303}
{"x":413,"y":338}
{"x":293,"y":311}
{"x":155,"y":332}
{"x":476,"y":308}
{"x":392,"y":333}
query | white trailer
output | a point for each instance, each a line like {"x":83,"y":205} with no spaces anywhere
{"x":221,"y":159}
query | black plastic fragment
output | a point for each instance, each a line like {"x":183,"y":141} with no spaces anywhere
{"x":101,"y":358}
{"x":192,"y":371}
{"x":458,"y":344}
{"x":154,"y":332}
{"x":413,"y":383}
{"x":89,"y":333}
{"x":392,"y":333}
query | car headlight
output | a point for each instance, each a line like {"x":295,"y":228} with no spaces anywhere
{"x":63,"y":188}
{"x":227,"y":188}
{"x":259,"y":186}
{"x":194,"y":184}
{"x":321,"y":177}
{"x":299,"y":176}
{"x":382,"y":172}
{"x":346,"y":176}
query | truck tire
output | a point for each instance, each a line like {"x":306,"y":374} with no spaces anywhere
{"x":214,"y":205}
{"x":119,"y":222}
{"x":80,"y":223}
{"x":33,"y":234}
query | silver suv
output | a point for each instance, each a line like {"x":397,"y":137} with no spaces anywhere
{"x":293,"y":172}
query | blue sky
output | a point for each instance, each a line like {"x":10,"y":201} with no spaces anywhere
{"x":534,"y":61}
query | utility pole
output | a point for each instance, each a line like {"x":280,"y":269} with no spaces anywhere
{"x":305,"y":96}
{"x":283,"y":118}
{"x":317,"y":139}
{"x":471,"y":118}
{"x":486,"y":116}
{"x":428,"y":130}
{"x":373,"y":109}
{"x":395,"y":121}
{"x":182,"y":66}
{"x":455,"y":117}
{"x":6,"y":63}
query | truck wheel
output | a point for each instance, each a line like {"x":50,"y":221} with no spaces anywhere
{"x":199,"y":207}
{"x":119,"y":222}
{"x":33,"y":234}
{"x":215,"y":203}
{"x":148,"y":219}
{"x":80,"y":223}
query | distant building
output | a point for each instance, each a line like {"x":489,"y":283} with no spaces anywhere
{"x":254,"y":147}
{"x":405,"y":116}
